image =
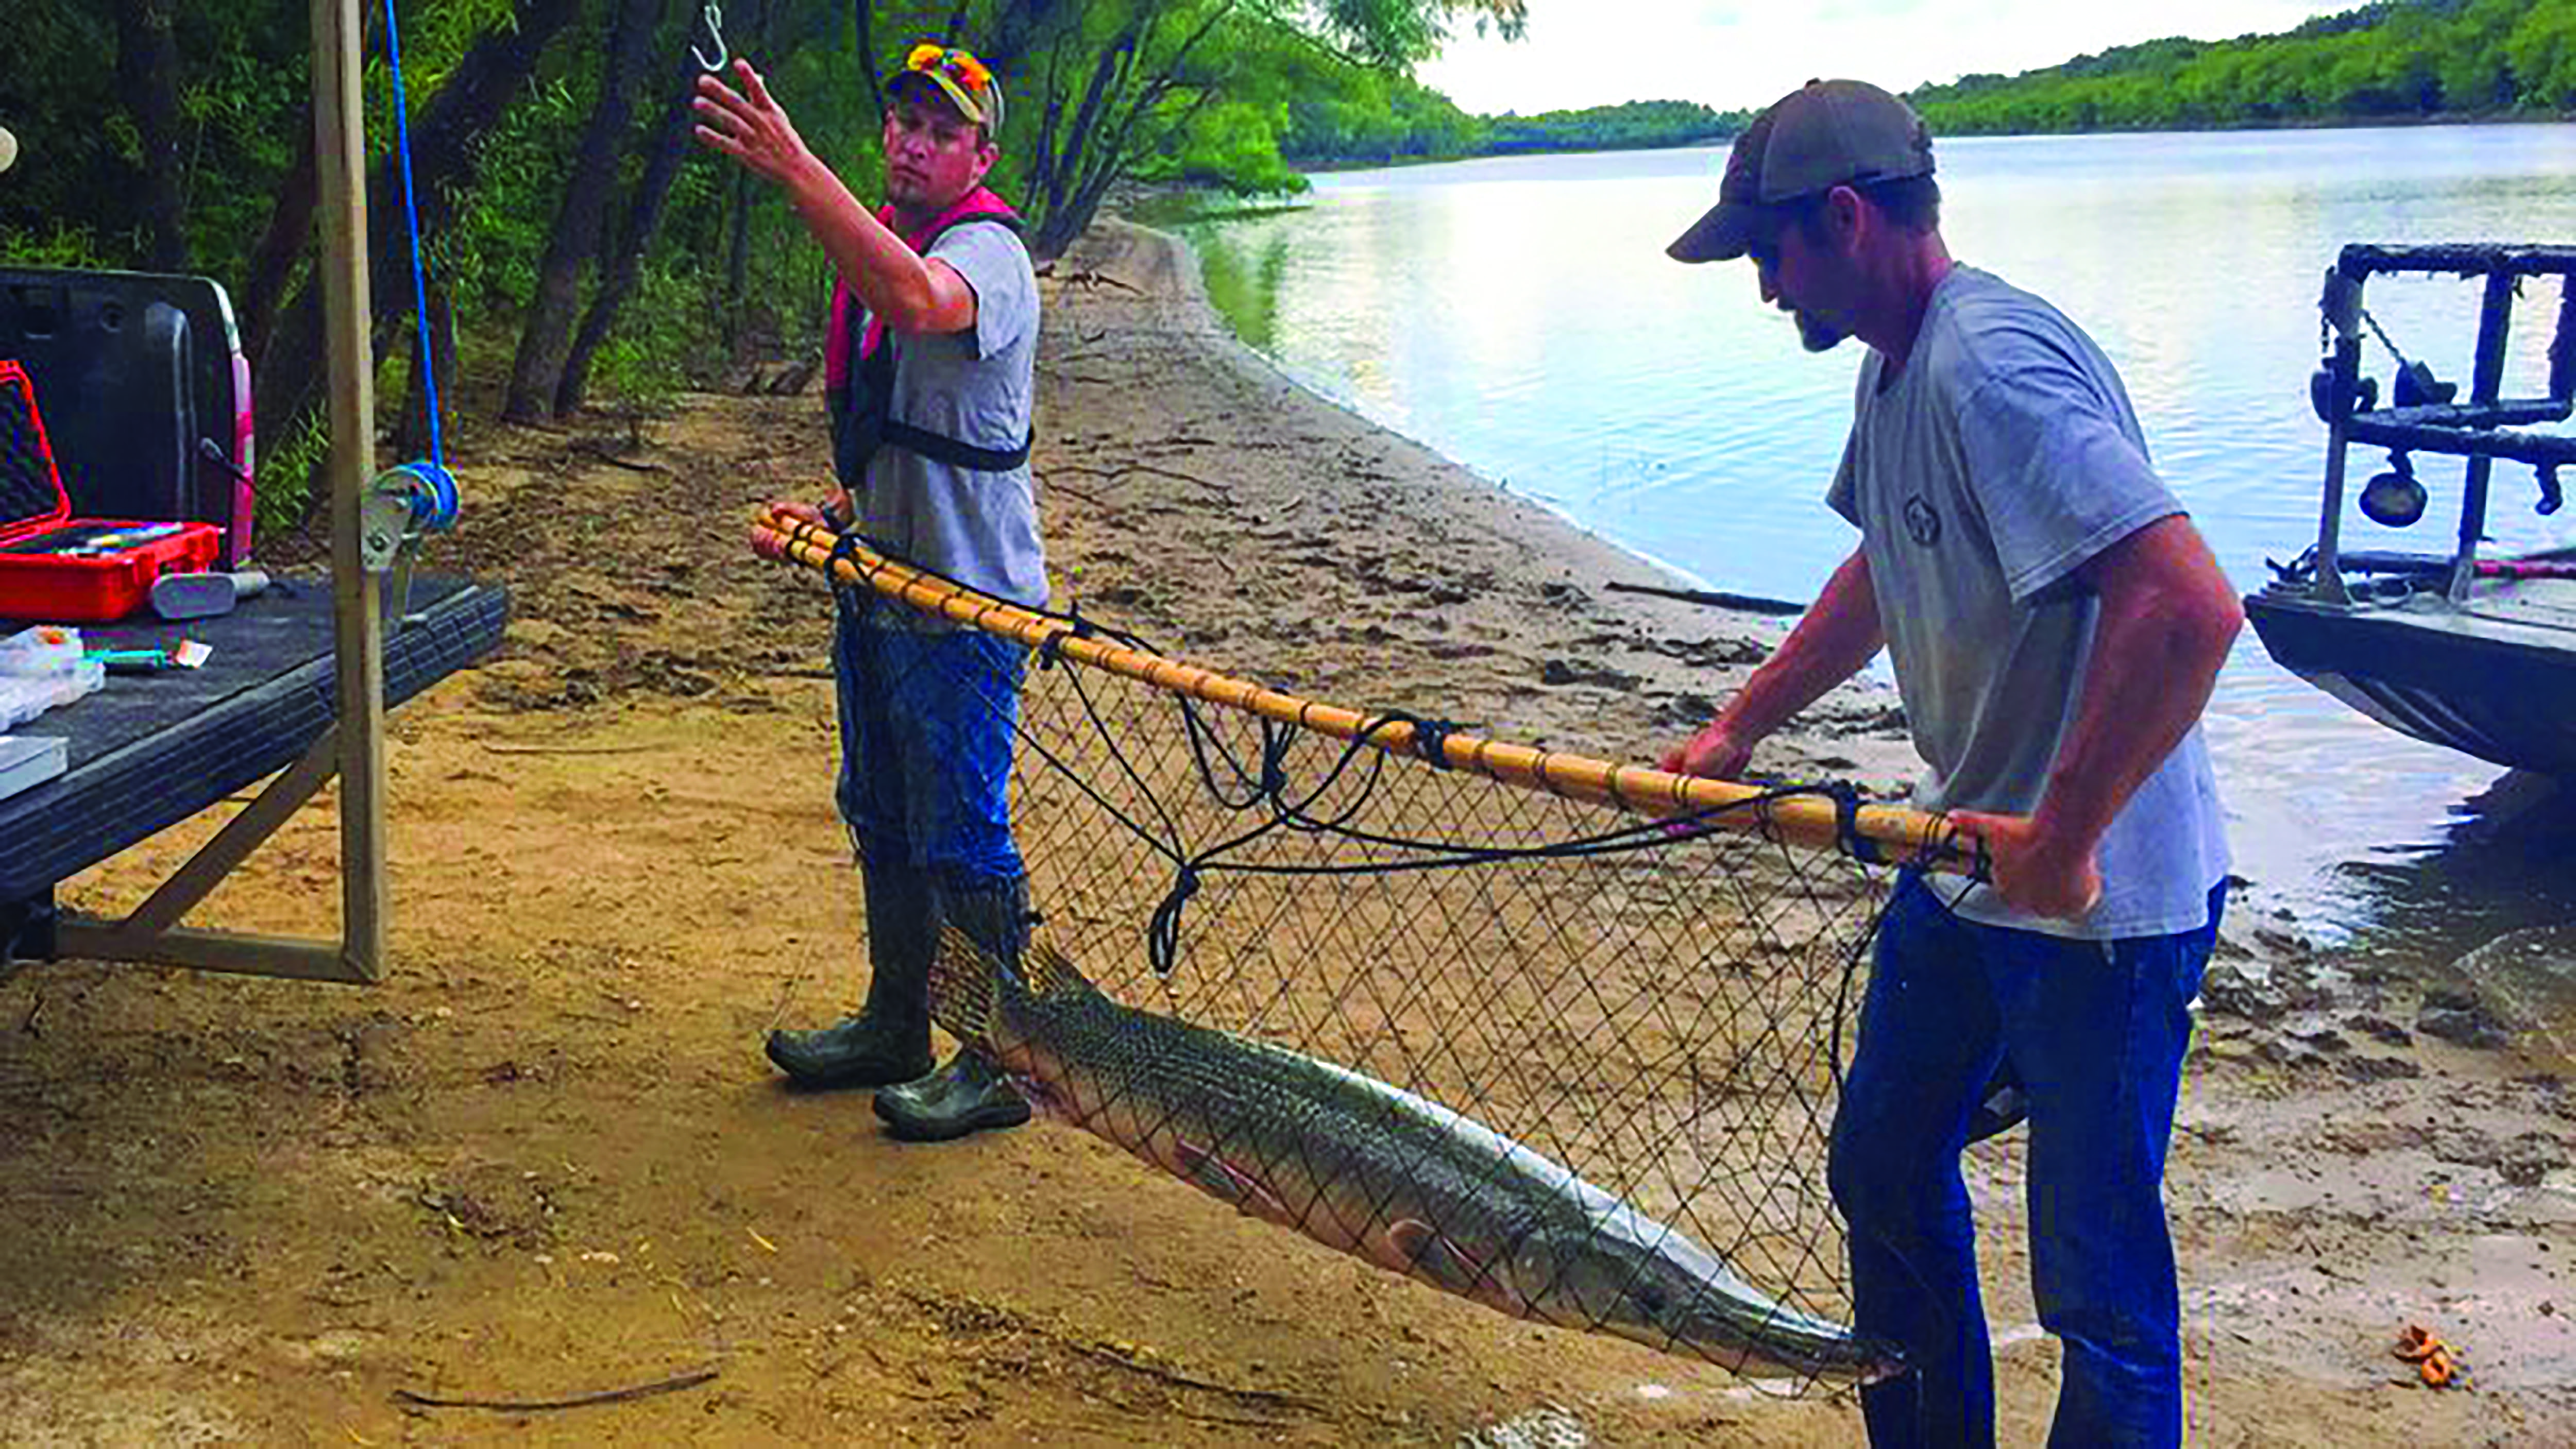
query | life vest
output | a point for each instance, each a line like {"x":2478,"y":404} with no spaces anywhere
{"x":858,"y":370}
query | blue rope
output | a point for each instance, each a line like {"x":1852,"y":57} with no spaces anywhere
{"x":411,"y":217}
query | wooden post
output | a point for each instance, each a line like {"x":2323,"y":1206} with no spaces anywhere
{"x":340,"y":161}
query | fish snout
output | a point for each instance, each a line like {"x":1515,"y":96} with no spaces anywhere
{"x":1881,"y":1361}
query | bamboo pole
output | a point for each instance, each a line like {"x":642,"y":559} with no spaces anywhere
{"x":1891,"y":832}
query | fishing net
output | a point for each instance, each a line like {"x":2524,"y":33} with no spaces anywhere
{"x":1643,"y":978}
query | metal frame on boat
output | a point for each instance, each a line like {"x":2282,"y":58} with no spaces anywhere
{"x":2463,"y":650}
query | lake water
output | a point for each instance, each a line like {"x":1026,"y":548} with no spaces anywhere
{"x":1519,"y":315}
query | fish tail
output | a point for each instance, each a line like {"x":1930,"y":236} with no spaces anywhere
{"x":966,"y":986}
{"x":972,"y":992}
{"x":1052,"y":973}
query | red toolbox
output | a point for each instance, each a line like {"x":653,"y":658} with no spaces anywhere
{"x":60,"y":569}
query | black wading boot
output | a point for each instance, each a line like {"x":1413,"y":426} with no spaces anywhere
{"x":969,"y":1094}
{"x":889,"y":1040}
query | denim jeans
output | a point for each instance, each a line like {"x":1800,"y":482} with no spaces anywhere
{"x":926,"y":729}
{"x":2097,"y":1032}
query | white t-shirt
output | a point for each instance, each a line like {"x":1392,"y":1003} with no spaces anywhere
{"x":2002,"y":457}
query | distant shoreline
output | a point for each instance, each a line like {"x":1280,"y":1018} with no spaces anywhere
{"x":1306,"y":167}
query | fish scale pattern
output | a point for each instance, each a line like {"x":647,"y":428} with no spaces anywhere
{"x":1373,"y":1170}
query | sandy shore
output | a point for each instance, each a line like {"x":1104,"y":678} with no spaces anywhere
{"x":543,"y":1158}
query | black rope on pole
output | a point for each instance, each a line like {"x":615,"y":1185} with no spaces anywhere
{"x":1847,"y":802}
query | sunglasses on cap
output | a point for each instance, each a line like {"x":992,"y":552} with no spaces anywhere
{"x":952,"y":61}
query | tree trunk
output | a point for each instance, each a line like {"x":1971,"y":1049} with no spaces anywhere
{"x":538,"y":369}
{"x":272,"y":262}
{"x":417,"y":438}
{"x":147,"y":70}
{"x":1097,"y":145}
{"x":446,"y":150}
{"x":625,"y":265}
{"x":1060,"y":168}
{"x":290,"y":222}
{"x":864,"y":11}
{"x":737,"y":278}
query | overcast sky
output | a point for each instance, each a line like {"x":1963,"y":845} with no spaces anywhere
{"x":1734,"y":54}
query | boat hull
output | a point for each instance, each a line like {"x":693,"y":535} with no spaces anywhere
{"x":2501,"y":691}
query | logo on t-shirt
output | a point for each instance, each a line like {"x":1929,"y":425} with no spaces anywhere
{"x":1921,"y":521}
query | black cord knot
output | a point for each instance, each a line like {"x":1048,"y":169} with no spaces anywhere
{"x":1163,"y":933}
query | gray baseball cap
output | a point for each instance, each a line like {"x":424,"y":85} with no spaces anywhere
{"x":1826,"y":133}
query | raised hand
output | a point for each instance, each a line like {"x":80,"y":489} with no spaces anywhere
{"x":749,"y":125}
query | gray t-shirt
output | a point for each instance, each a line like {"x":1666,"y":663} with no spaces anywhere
{"x":976,"y":386}
{"x":2001,"y":458}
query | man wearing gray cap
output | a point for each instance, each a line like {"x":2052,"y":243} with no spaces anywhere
{"x":2056,"y":624}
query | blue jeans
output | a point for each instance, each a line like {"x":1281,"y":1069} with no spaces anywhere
{"x":926,"y":727}
{"x":2096,"y":1031}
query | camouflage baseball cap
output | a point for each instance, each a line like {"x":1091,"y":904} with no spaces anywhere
{"x":967,"y":82}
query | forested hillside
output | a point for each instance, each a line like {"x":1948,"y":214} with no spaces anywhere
{"x":1401,"y":120}
{"x":2390,"y":61}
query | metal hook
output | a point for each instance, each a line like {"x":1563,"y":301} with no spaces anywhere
{"x":713,"y":15}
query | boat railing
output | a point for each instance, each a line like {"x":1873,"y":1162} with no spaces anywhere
{"x":2422,"y":415}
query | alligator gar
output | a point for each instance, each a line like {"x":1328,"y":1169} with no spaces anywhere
{"x":1374,"y":1171}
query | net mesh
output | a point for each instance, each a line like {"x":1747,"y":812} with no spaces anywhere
{"x":1659,"y":1010}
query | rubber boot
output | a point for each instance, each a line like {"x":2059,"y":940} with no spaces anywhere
{"x":889,"y":1040}
{"x":969,"y":1094}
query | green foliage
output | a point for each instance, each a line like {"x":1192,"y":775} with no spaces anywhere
{"x":654,"y":357}
{"x":1195,"y":92}
{"x":288,"y":467}
{"x":1358,"y":116}
{"x":57,"y":245}
{"x":1233,"y":146}
{"x":2389,"y":61}
{"x":1394,"y":119}
{"x":1626,"y":126}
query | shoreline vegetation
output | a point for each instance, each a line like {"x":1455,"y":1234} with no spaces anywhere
{"x":1313,"y":167}
{"x":2393,"y":62}
{"x":586,"y":248}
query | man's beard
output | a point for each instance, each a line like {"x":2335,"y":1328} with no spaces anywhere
{"x":1816,"y":334}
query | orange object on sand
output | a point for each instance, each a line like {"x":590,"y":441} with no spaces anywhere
{"x":2437,"y":1362}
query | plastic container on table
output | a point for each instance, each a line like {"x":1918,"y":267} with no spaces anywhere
{"x":56,"y":567}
